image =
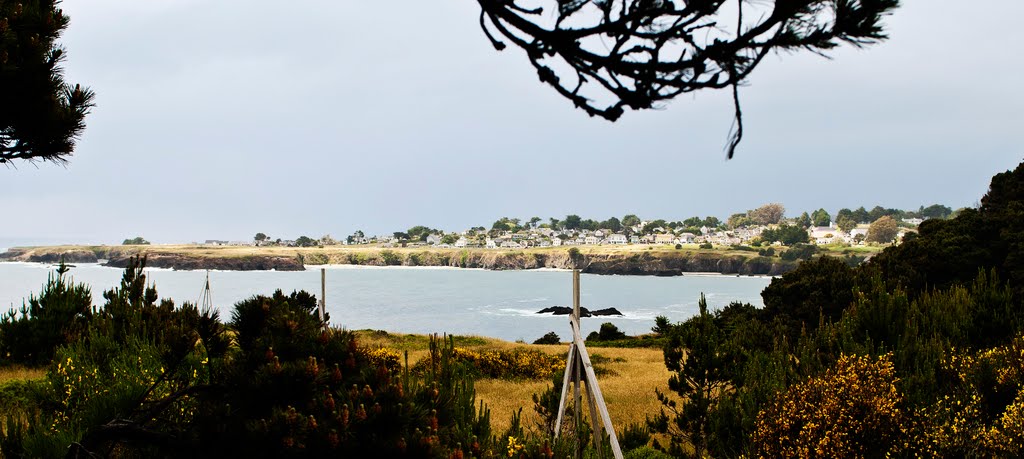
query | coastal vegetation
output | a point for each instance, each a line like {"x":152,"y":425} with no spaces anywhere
{"x":917,"y":351}
{"x":627,"y":259}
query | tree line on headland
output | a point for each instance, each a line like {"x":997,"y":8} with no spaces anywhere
{"x":918,"y":351}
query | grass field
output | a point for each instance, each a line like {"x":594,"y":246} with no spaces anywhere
{"x":630,"y":376}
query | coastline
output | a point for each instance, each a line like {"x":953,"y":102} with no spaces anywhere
{"x":626,"y":260}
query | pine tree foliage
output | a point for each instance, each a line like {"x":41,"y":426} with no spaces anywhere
{"x":41,"y":115}
{"x":57,"y":316}
{"x":607,"y":56}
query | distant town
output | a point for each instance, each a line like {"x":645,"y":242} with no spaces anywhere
{"x":765,"y":225}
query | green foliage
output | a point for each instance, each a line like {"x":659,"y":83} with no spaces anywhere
{"x":804,"y":221}
{"x":41,"y":115}
{"x":694,"y":356}
{"x":706,"y":245}
{"x":135,"y":241}
{"x":767,"y":214}
{"x":786,"y":234}
{"x":634,"y":436}
{"x":548,"y":338}
{"x":390,"y":258}
{"x":59,"y":315}
{"x":799,"y":252}
{"x":817,"y":290}
{"x":883,"y":230}
{"x":607,"y":332}
{"x":820,"y":217}
{"x":123,"y":373}
{"x":935,"y":211}
{"x":645,"y":452}
{"x":845,"y":223}
{"x":517,"y":363}
{"x":306,"y":241}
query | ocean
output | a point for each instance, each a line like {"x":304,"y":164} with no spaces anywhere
{"x":500,"y":304}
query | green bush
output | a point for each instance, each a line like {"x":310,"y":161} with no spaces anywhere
{"x":548,"y":338}
{"x":634,"y":436}
{"x":707,"y":245}
{"x":799,"y":252}
{"x":390,"y":258}
{"x":645,"y":452}
{"x":608,"y":332}
{"x":59,"y":315}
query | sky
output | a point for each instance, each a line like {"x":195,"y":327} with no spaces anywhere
{"x":217,"y":120}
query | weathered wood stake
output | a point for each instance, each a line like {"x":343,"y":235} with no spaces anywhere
{"x":576,"y":362}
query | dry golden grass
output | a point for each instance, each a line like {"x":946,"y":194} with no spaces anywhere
{"x":628,"y":388}
{"x":19,"y":373}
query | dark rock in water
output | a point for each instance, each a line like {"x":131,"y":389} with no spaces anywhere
{"x":584,"y":312}
{"x":606,"y":312}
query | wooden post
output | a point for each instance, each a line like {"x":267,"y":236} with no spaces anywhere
{"x":323,"y":294}
{"x":578,"y":361}
{"x":577,"y":400}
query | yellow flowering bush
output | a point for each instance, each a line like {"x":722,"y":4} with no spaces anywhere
{"x":384,"y":357}
{"x":505,"y":363}
{"x":983,"y":415}
{"x":853,"y":410}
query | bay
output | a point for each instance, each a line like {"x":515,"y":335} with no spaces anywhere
{"x":500,"y":304}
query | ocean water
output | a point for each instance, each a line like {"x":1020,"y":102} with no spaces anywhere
{"x":501,"y":304}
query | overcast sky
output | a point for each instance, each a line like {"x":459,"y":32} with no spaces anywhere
{"x":216,"y":120}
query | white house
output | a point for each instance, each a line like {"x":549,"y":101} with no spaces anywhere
{"x":616,"y":239}
{"x":591,"y":240}
{"x":664,"y":238}
{"x":433,"y":239}
{"x":461,"y":243}
{"x":556,"y":242}
{"x":686,"y":238}
{"x":490,"y":244}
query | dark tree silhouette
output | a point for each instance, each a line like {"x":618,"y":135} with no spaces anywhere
{"x":41,"y":116}
{"x":609,"y":55}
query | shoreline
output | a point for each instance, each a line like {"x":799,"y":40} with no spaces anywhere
{"x":48,"y":265}
{"x":604,"y":260}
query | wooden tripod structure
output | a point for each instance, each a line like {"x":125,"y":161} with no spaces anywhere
{"x":578,"y":362}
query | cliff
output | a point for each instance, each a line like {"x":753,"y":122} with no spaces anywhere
{"x":634,"y":261}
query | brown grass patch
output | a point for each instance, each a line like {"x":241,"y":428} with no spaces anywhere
{"x":20,"y":373}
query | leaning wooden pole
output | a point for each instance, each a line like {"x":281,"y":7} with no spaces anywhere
{"x":323,"y":295}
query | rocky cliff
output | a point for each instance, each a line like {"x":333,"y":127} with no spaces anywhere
{"x":656,"y":263}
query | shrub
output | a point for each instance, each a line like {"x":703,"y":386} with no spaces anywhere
{"x":707,"y":245}
{"x":390,"y":258}
{"x":634,"y":436}
{"x":548,"y":338}
{"x":679,"y":246}
{"x":645,"y":452}
{"x":608,"y":332}
{"x":799,"y":252}
{"x":853,"y":410}
{"x":517,"y":363}
{"x":59,"y":315}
